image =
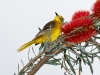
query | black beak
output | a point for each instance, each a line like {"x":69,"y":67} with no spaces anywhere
{"x":56,"y":14}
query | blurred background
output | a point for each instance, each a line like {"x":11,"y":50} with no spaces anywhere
{"x":19,"y":22}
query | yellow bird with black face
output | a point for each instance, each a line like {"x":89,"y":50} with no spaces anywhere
{"x":50,"y":32}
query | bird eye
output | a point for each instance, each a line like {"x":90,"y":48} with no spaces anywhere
{"x":60,"y":18}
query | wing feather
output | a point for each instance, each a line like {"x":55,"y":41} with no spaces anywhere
{"x":46,"y":28}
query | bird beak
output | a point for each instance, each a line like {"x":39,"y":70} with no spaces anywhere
{"x":56,"y":14}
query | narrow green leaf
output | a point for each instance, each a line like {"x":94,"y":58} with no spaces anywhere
{"x":62,"y":63}
{"x":80,"y":66}
{"x":41,"y":47}
{"x":83,"y":58}
{"x":81,"y":48}
{"x":94,"y":41}
{"x":14,"y":73}
{"x":71,"y":58}
{"x":33,"y":51}
{"x":51,"y":55}
{"x":45,"y":44}
{"x":92,"y":59}
{"x":86,"y":44}
{"x":39,"y":28}
{"x":89,"y":63}
{"x":21,"y":72}
{"x":69,"y":63}
{"x":53,"y":62}
{"x":98,"y":57}
{"x":18,"y":68}
{"x":50,"y":63}
{"x":77,"y":54}
{"x":97,"y":37}
{"x":28,"y":54}
{"x":52,"y":48}
{"x":22,"y":63}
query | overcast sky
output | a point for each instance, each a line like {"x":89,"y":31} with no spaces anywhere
{"x":19,"y":22}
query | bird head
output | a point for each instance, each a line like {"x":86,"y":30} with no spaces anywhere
{"x":59,"y":18}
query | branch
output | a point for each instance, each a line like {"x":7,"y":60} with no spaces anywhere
{"x":43,"y":60}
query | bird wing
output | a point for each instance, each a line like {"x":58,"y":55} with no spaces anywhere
{"x":46,"y":28}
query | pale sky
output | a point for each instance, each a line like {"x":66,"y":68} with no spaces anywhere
{"x":19,"y":22}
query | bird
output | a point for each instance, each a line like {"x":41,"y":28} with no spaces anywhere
{"x":50,"y":32}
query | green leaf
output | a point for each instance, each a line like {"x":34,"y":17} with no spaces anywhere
{"x":92,"y":59}
{"x":97,"y":37}
{"x":21,"y":72}
{"x":22,"y":63}
{"x":80,"y":66}
{"x":51,"y":55}
{"x":18,"y":68}
{"x":69,"y":63}
{"x":94,"y":41}
{"x":52,"y":48}
{"x":50,"y":63}
{"x":77,"y":55}
{"x":46,"y":44}
{"x":71,"y":58}
{"x":14,"y":73}
{"x":33,"y":51}
{"x":43,"y":46}
{"x":83,"y":58}
{"x":89,"y":63}
{"x":53,"y":62}
{"x":39,"y":28}
{"x":28,"y":54}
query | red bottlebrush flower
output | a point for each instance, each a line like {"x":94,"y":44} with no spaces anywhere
{"x":76,"y":24}
{"x":96,"y":9}
{"x":79,"y":30}
{"x":80,"y":14}
{"x":84,"y":36}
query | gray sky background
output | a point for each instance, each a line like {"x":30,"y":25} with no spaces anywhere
{"x":19,"y":22}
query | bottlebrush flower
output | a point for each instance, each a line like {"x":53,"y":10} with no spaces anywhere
{"x":96,"y":9}
{"x":80,"y":14}
{"x":79,"y":30}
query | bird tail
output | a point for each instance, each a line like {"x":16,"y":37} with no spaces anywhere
{"x":25,"y":46}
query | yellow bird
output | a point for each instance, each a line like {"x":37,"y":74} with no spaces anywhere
{"x":50,"y":32}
